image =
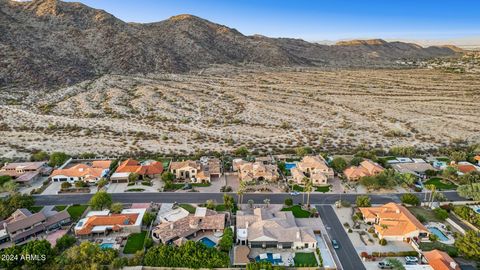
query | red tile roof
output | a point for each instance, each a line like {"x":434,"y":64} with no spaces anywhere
{"x":466,"y":168}
{"x":114,"y":220}
{"x":133,"y":166}
{"x":440,"y":260}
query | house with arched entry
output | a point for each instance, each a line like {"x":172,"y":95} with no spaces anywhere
{"x":256,"y":171}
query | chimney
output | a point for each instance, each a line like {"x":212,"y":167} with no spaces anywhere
{"x":246,"y":225}
{"x":453,"y":265}
{"x":298,"y":235}
{"x":397,"y":211}
{"x":171,"y":226}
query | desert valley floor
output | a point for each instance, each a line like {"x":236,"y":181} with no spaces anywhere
{"x":221,"y":108}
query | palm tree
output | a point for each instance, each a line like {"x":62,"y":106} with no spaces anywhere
{"x":250,"y":203}
{"x":308,"y":188}
{"x":267,"y":202}
{"x":241,"y":191}
{"x":10,"y":187}
{"x":432,"y":189}
{"x":305,"y":180}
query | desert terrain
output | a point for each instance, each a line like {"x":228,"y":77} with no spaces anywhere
{"x":264,"y":109}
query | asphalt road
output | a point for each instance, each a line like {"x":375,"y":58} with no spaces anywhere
{"x":197,"y":197}
{"x":346,"y":252}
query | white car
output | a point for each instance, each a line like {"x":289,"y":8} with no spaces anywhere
{"x":411,"y":260}
{"x":294,"y":193}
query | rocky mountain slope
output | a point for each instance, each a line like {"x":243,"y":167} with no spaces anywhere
{"x":49,"y":43}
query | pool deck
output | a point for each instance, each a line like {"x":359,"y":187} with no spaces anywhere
{"x":443,"y":229}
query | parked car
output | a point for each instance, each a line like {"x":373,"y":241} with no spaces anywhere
{"x":410,"y":260}
{"x":294,"y":193}
{"x":385,"y":265}
{"x":335,"y":244}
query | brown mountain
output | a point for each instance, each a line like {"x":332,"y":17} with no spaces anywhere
{"x":46,"y":43}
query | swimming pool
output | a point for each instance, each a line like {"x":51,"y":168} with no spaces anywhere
{"x":207,"y":242}
{"x":106,"y":245}
{"x":437,"y":232}
{"x":290,"y":165}
{"x":269,"y":259}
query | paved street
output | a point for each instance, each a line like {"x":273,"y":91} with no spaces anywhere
{"x":197,"y":197}
{"x":346,"y":253}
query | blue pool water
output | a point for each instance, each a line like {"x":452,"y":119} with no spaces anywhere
{"x":207,"y":242}
{"x":437,"y":232}
{"x":106,"y":245}
{"x":290,"y":165}
{"x":269,"y":259}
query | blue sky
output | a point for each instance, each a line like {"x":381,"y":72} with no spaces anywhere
{"x":316,"y":20}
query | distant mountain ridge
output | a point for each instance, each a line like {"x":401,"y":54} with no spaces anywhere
{"x":45,"y":43}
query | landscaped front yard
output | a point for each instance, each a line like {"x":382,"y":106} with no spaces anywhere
{"x":427,"y":246}
{"x":440,"y":184}
{"x":318,"y":188}
{"x":305,"y":260}
{"x":135,"y":242}
{"x":427,"y":214}
{"x":76,"y":211}
{"x":190,"y":208}
{"x":297,"y":211}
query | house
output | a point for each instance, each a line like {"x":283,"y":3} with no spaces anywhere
{"x":181,"y":229}
{"x":313,"y":167}
{"x":394,"y":222}
{"x":265,"y":160}
{"x":23,"y":224}
{"x":196,"y":171}
{"x":417,"y":167}
{"x":400,"y":160}
{"x":263,"y":228}
{"x":365,"y":168}
{"x":257,"y":171}
{"x":149,"y":168}
{"x":79,"y":172}
{"x":103,"y":222}
{"x":236,"y":163}
{"x":440,"y":260}
{"x":26,"y":172}
{"x":465,"y":167}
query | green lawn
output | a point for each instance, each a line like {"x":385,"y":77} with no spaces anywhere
{"x":201,"y":184}
{"x":428,"y":214}
{"x":319,"y":188}
{"x":323,"y":189}
{"x":35,"y":209}
{"x":297,"y":188}
{"x":190,"y":208}
{"x":134,"y":242}
{"x":440,"y":184}
{"x":427,"y":246}
{"x":305,"y":259}
{"x":297,"y":211}
{"x":76,"y":211}
{"x":444,"y":159}
{"x":176,"y":186}
{"x":60,"y":207}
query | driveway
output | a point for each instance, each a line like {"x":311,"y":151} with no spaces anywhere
{"x":215,"y":186}
{"x":347,"y":254}
{"x":232,"y":180}
{"x":52,"y":189}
